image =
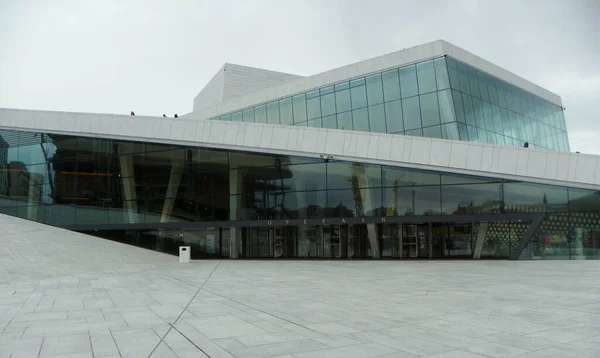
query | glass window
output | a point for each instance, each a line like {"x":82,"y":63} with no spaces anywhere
{"x":391,"y":86}
{"x":468,"y":107}
{"x":446,"y":106}
{"x":450,"y":131}
{"x":374,"y":89}
{"x":423,"y":200}
{"x":326,"y":90}
{"x":483,"y":87}
{"x":248,"y":115}
{"x":482,"y":135}
{"x":377,"y":118}
{"x":301,"y":124}
{"x":432,"y":132}
{"x":273,"y":113}
{"x":360,"y":119}
{"x":473,"y":82}
{"x":315,"y":123}
{"x":330,"y":122}
{"x":528,"y":197}
{"x":462,"y":131}
{"x":441,"y":73}
{"x":488,"y":117}
{"x":236,"y":117}
{"x":430,"y":112}
{"x":472,"y":132}
{"x":357,"y":82}
{"x":286,"y":112}
{"x":583,"y":200}
{"x":226,"y":117}
{"x":492,"y":89}
{"x":491,"y":136}
{"x":344,"y":121}
{"x":497,"y":119}
{"x":411,"y":113}
{"x":392,"y":177}
{"x":458,"y":105}
{"x":393,"y":115}
{"x":426,"y":77}
{"x":505,"y":122}
{"x":342,"y":101}
{"x":260,"y":114}
{"x":328,"y":104}
{"x":359,"y":97}
{"x":415,"y":132}
{"x":342,"y":175}
{"x":453,"y":73}
{"x":508,"y":97}
{"x":345,"y":203}
{"x":342,"y":86}
{"x":471,"y":198}
{"x":463,"y":78}
{"x":408,"y":81}
{"x":299,"y":102}
{"x":313,"y":107}
{"x":500,"y":89}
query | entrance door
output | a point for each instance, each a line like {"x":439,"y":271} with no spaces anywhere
{"x":410,"y":241}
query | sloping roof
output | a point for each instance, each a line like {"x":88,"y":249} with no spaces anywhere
{"x":232,"y":81}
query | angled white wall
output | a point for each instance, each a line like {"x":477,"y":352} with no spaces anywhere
{"x":526,"y":164}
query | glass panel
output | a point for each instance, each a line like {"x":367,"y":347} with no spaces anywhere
{"x":492,"y":89}
{"x":471,"y":198}
{"x":453,"y":73}
{"x":377,"y":118}
{"x":330,"y":122}
{"x":260,"y":114}
{"x":424,"y":200}
{"x":359,"y":97}
{"x":500,"y":88}
{"x":411,"y":113}
{"x":483,"y":88}
{"x":328,"y":104}
{"x":226,"y":117}
{"x":326,"y":90}
{"x":441,"y":73}
{"x":342,"y":101}
{"x":408,"y":81}
{"x":360,"y":119}
{"x":468,"y":107}
{"x":345,"y":121}
{"x":299,"y":102}
{"x":313,"y":107}
{"x":286,"y":111}
{"x":342,"y":86}
{"x":473,"y":82}
{"x":472,"y":132}
{"x":488,"y":118}
{"x":357,"y":82}
{"x":248,"y":115}
{"x":345,"y":203}
{"x":430,"y":112}
{"x":393,"y":177}
{"x":446,"y":106}
{"x":450,"y":131}
{"x":482,"y":135}
{"x":393,"y":115}
{"x":432,"y":132}
{"x":236,"y":117}
{"x":462,"y":131}
{"x":273,"y":113}
{"x":391,"y":86}
{"x":374,"y":90}
{"x":528,"y":197}
{"x":458,"y":105}
{"x":478,"y":112}
{"x":463,"y":78}
{"x":315,"y":123}
{"x":497,"y":119}
{"x":426,"y":77}
{"x":341,"y":175}
{"x":414,"y":132}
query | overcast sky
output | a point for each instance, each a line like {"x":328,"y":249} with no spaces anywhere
{"x":154,"y":56}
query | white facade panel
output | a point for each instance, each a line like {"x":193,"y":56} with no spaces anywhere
{"x":507,"y":160}
{"x":439,"y":154}
{"x":413,"y":152}
{"x":551,"y":165}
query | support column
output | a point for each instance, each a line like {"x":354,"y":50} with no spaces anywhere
{"x":481,"y":232}
{"x":373,"y":240}
{"x":174,"y":183}
{"x":131,"y":214}
{"x":34,"y":196}
{"x":235,"y":202}
{"x":363,"y":198}
{"x":303,"y":248}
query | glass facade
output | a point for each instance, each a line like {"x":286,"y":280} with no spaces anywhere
{"x":440,"y":98}
{"x":108,"y":185}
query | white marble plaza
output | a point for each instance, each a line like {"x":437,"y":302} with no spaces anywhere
{"x":64,"y":294}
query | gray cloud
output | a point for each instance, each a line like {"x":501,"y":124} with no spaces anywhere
{"x":155,"y":56}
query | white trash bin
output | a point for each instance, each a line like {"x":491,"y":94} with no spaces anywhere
{"x":184,"y":254}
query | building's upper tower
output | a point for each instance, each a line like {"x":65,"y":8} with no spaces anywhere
{"x":432,"y":90}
